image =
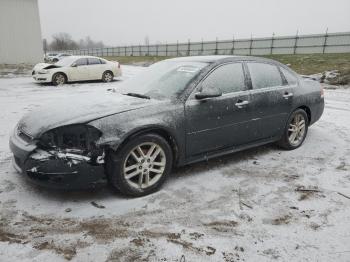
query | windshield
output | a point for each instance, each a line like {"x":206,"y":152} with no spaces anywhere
{"x":67,"y":61}
{"x":163,"y":80}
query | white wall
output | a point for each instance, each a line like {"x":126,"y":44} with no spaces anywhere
{"x":20,"y":32}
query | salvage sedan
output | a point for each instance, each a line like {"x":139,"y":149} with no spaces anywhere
{"x":76,"y":68}
{"x":178,"y":112}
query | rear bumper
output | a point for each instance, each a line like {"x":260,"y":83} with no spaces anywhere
{"x":53,"y":169}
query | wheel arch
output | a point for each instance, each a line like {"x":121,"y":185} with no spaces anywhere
{"x":307,"y":110}
{"x":161,"y":131}
{"x":60,"y":72}
{"x":108,"y":70}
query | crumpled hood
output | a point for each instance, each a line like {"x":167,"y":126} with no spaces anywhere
{"x":78,"y":109}
{"x":40,"y":66}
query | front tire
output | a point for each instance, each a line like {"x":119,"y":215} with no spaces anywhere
{"x":107,"y":76}
{"x":295,"y":131}
{"x":141,"y":166}
{"x":59,"y":79}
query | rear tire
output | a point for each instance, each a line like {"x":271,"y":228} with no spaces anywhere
{"x":295,"y":131}
{"x":141,"y":166}
{"x":59,"y":79}
{"x":107,"y":77}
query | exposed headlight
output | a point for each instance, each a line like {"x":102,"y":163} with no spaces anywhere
{"x":73,"y":137}
{"x":43,"y":72}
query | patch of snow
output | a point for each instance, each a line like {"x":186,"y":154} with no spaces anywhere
{"x":324,"y":77}
{"x":245,"y":206}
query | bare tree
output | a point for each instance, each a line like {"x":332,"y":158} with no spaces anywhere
{"x":63,"y":41}
{"x":89,"y":43}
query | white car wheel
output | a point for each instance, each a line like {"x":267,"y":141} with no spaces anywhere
{"x":107,"y":77}
{"x":59,"y":79}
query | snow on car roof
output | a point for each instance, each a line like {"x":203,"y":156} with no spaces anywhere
{"x":84,"y":56}
{"x":215,"y":58}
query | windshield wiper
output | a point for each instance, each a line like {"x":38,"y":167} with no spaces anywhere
{"x":138,"y":95}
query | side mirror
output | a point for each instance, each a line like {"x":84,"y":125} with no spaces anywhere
{"x":74,"y":65}
{"x":213,"y":92}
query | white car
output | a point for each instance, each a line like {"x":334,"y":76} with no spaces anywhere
{"x":48,"y":56}
{"x":76,"y":68}
{"x":57,"y":57}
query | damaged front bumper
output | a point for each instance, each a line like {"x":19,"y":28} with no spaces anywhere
{"x":56,"y":168}
{"x":42,"y":78}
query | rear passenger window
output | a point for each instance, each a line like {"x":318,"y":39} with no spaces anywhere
{"x":291,"y":79}
{"x":264,"y":75}
{"x":94,"y":61}
{"x":227,"y":78}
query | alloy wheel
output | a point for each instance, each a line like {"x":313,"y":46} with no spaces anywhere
{"x":108,"y":77}
{"x":296,"y":130}
{"x":144,"y":165}
{"x":60,"y":79}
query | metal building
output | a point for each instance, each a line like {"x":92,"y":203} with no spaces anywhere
{"x":20,"y":32}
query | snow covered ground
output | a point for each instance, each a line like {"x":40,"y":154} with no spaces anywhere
{"x":242,"y":207}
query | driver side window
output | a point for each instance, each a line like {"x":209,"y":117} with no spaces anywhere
{"x":227,"y":78}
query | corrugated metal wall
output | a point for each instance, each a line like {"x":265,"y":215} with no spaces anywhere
{"x":20,"y":32}
{"x":297,"y":44}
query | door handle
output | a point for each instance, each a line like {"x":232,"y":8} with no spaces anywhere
{"x":241,"y":104}
{"x":287,"y":95}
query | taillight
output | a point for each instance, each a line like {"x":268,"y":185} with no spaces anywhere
{"x":322,"y":92}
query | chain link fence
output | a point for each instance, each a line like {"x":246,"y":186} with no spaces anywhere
{"x":298,"y":44}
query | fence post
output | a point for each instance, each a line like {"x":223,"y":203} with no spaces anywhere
{"x":216,"y":46}
{"x":157,"y":49}
{"x":251,"y":44}
{"x":325,"y":41}
{"x":272,"y":39}
{"x":189,"y":47}
{"x":124,"y":50}
{"x":166,"y":49}
{"x":296,"y":43}
{"x":177,"y":48}
{"x":202,"y":47}
{"x":233,"y":45}
{"x":140,"y":53}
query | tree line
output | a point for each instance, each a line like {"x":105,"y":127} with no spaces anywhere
{"x":64,"y":41}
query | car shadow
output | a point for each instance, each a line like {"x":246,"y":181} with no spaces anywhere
{"x":78,"y":83}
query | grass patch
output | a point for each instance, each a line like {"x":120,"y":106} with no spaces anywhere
{"x":136,"y":59}
{"x":315,"y":63}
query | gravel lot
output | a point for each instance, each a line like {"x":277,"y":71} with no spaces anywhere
{"x":244,"y":207}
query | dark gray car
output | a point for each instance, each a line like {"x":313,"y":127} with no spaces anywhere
{"x":178,"y":112}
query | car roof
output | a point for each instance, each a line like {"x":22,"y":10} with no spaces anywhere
{"x":84,"y":56}
{"x":221,"y":58}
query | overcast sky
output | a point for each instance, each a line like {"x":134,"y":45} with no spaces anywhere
{"x":118,"y":22}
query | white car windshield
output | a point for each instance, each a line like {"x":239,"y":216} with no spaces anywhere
{"x":163,"y":80}
{"x":67,"y":61}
